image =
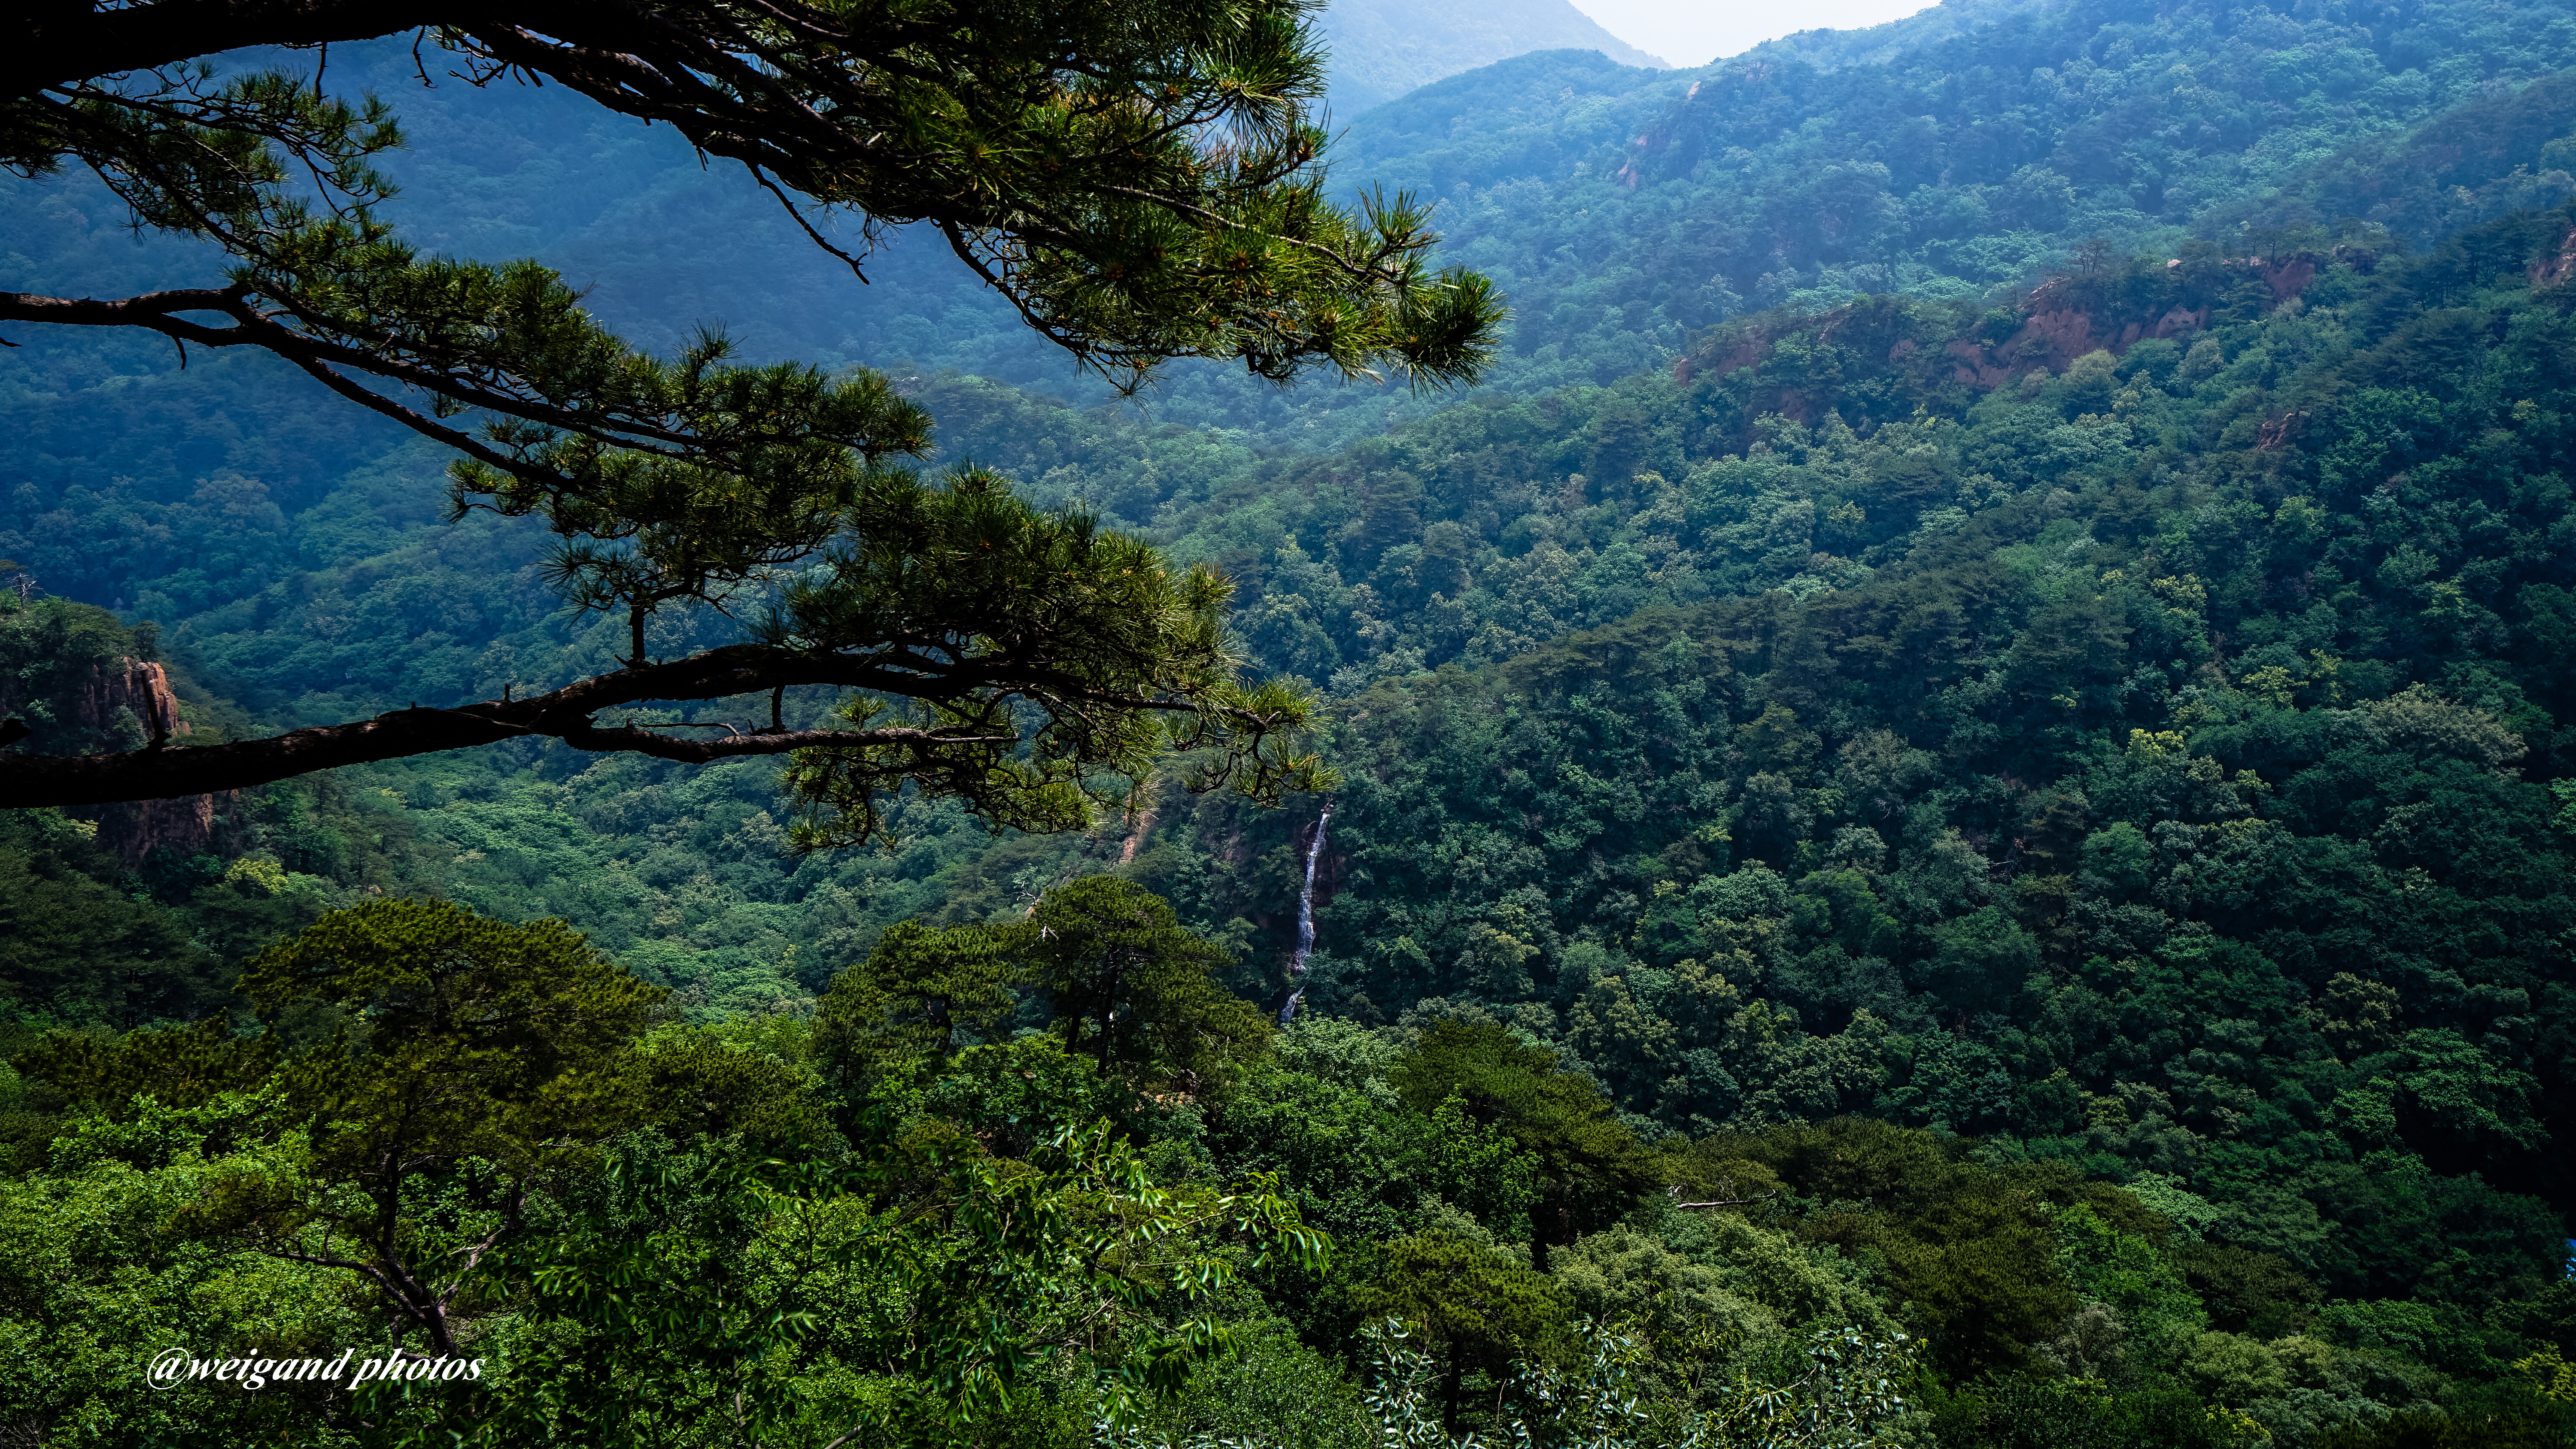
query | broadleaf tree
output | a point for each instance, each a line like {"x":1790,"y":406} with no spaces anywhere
{"x":1142,"y":179}
{"x":1132,"y":987}
{"x":469,"y":1061}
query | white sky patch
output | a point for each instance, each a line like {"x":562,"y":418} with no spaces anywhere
{"x":1695,"y":32}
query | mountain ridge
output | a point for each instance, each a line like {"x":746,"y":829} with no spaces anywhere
{"x":1382,"y":49}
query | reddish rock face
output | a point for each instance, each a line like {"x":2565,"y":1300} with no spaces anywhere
{"x":1748,"y":353}
{"x":2278,"y":431}
{"x":2289,"y":278}
{"x":1973,"y":369}
{"x":130,"y":684}
{"x":135,"y":829}
{"x":2052,"y":335}
{"x":2059,"y":337}
{"x":2180,"y":320}
{"x":2551,"y":271}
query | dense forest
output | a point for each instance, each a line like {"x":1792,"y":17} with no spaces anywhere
{"x":1952,"y":823}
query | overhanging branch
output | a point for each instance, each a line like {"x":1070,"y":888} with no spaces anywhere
{"x":68,"y":42}
{"x":323,"y":358}
{"x":565,"y":714}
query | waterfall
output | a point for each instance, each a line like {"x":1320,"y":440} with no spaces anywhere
{"x":1305,"y":920}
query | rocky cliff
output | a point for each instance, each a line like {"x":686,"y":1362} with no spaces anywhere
{"x":121,"y":703}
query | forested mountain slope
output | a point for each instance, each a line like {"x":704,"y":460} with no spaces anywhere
{"x":2149,"y":755}
{"x":2240,"y":645}
{"x":1609,"y":199}
{"x":1623,"y":210}
{"x":1465,"y":539}
{"x":1382,"y":49}
{"x":281,"y":542}
{"x":2246,"y":644}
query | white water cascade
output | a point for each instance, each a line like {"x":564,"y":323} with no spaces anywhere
{"x":1305,"y":920}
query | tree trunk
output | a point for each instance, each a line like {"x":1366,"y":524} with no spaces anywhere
{"x":1457,"y":1388}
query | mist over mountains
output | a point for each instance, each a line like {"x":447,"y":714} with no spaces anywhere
{"x":1382,"y":49}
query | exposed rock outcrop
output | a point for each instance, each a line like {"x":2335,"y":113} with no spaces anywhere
{"x":2551,"y":271}
{"x":129,"y":702}
{"x":131,"y":684}
{"x":188,"y":826}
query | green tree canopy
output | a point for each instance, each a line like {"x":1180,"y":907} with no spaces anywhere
{"x":465,"y":1060}
{"x":1132,"y":986}
{"x":74,"y":947}
{"x":1479,"y":1309}
{"x":1970,"y":1246}
{"x":919,"y":992}
{"x":1591,"y":1167}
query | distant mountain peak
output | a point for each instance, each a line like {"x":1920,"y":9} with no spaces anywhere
{"x":1382,"y":49}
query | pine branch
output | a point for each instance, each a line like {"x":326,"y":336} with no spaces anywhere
{"x":1085,"y":161}
{"x":65,"y":42}
{"x":565,"y":714}
{"x":156,"y":312}
{"x":982,"y":690}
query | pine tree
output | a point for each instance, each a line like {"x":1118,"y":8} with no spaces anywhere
{"x":1142,"y":178}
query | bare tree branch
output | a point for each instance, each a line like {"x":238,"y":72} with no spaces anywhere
{"x":64,"y":42}
{"x":1723,"y":1186}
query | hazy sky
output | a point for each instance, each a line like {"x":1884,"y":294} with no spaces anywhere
{"x":1695,"y":32}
